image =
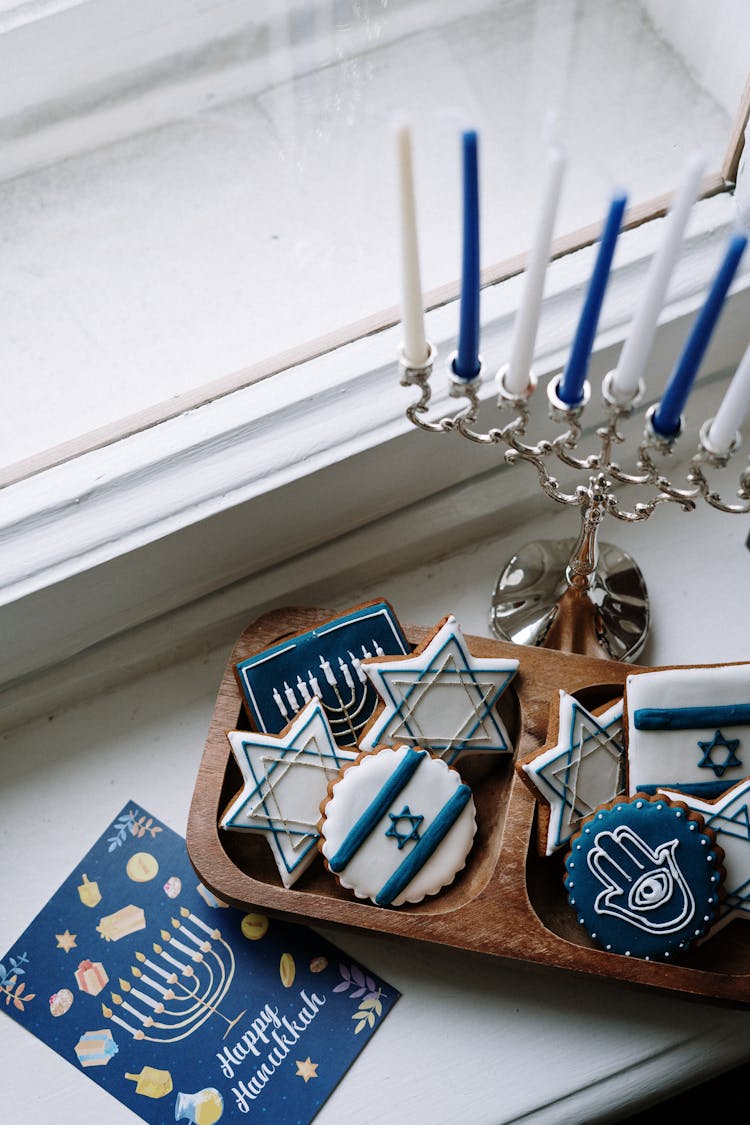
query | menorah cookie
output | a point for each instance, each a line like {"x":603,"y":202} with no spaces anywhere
{"x":644,"y":876}
{"x":324,"y":663}
{"x":398,"y":825}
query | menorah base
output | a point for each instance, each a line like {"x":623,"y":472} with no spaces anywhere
{"x":533,"y":604}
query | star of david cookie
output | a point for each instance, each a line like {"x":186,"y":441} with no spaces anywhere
{"x":688,"y":729}
{"x":398,"y":825}
{"x":644,"y":877}
{"x":728,"y":817}
{"x":285,"y":777}
{"x":580,"y":768}
{"x":440,"y":698}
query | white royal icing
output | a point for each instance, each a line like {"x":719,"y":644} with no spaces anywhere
{"x":688,"y":729}
{"x":729,"y":819}
{"x":583,"y":770}
{"x":285,"y":779}
{"x":441,"y":698}
{"x":393,"y":833}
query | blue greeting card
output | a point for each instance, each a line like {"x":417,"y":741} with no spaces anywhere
{"x":179,"y":1006}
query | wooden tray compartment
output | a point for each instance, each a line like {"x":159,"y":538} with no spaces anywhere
{"x":508,"y":901}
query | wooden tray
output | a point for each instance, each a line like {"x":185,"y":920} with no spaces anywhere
{"x":508,"y":901}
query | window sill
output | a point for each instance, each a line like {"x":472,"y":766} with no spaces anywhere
{"x":295,"y":479}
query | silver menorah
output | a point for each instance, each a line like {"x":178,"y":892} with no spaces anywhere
{"x":577,"y":594}
{"x":178,"y":989}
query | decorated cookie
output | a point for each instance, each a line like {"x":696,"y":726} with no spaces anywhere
{"x":398,"y":825}
{"x":580,"y":768}
{"x":644,"y":877}
{"x":441,"y":698}
{"x":285,"y":778}
{"x":728,"y":817}
{"x":688,"y":729}
{"x":325,"y":664}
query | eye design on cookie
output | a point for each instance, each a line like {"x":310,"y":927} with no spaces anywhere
{"x":651,"y":890}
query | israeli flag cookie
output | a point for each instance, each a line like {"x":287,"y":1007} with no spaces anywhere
{"x":398,"y":826}
{"x":644,"y":877}
{"x":688,"y":729}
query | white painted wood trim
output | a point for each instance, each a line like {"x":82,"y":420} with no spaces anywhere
{"x":243,"y":487}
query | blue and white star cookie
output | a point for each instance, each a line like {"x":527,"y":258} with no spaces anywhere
{"x":728,"y":817}
{"x":644,"y":877}
{"x":398,"y":825}
{"x":580,"y":769}
{"x":440,"y":698}
{"x":285,"y":778}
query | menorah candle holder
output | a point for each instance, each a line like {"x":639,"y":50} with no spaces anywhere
{"x":577,"y":595}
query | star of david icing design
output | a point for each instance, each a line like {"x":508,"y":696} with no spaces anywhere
{"x":285,"y":779}
{"x":730,"y":745}
{"x":729,"y":818}
{"x":413,"y":833}
{"x":583,"y":770}
{"x":441,"y":698}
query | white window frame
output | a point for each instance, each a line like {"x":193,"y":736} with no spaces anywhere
{"x":166,"y":532}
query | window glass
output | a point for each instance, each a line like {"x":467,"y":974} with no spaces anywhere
{"x":237,"y":197}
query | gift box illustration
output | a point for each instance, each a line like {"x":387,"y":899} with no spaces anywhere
{"x":91,"y":977}
{"x":96,"y":1048}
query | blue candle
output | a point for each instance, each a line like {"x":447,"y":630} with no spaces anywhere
{"x":466,"y":363}
{"x":666,"y":419}
{"x":570,"y":389}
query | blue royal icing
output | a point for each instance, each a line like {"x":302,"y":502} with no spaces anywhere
{"x":441,"y":698}
{"x":416,"y":829}
{"x":688,"y":729}
{"x":729,"y":819}
{"x":644,"y":879}
{"x":324,"y":663}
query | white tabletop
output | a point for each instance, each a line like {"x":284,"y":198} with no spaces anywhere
{"x":472,"y":1039}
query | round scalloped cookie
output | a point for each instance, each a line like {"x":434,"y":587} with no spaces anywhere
{"x":397,"y":826}
{"x":644,"y":876}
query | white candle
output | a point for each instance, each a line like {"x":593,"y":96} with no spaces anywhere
{"x":169,"y":977}
{"x":186,"y":970}
{"x":212,"y":933}
{"x":636,"y":349}
{"x":110,"y":1015}
{"x":734,"y":409}
{"x":167,"y":993}
{"x":357,"y":666}
{"x":344,"y":669}
{"x":527,"y":317}
{"x":204,"y":946}
{"x":412,"y":307}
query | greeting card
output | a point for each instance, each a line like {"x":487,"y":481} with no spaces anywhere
{"x":181,"y":1007}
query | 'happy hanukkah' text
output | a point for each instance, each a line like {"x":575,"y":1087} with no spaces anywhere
{"x":268,"y":1029}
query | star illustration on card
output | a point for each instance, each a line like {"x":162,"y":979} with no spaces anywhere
{"x":728,"y":816}
{"x":441,"y":698}
{"x":583,"y":770}
{"x":307,"y":1069}
{"x":730,"y":758}
{"x":66,"y":941}
{"x":412,"y":833}
{"x":285,"y":779}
